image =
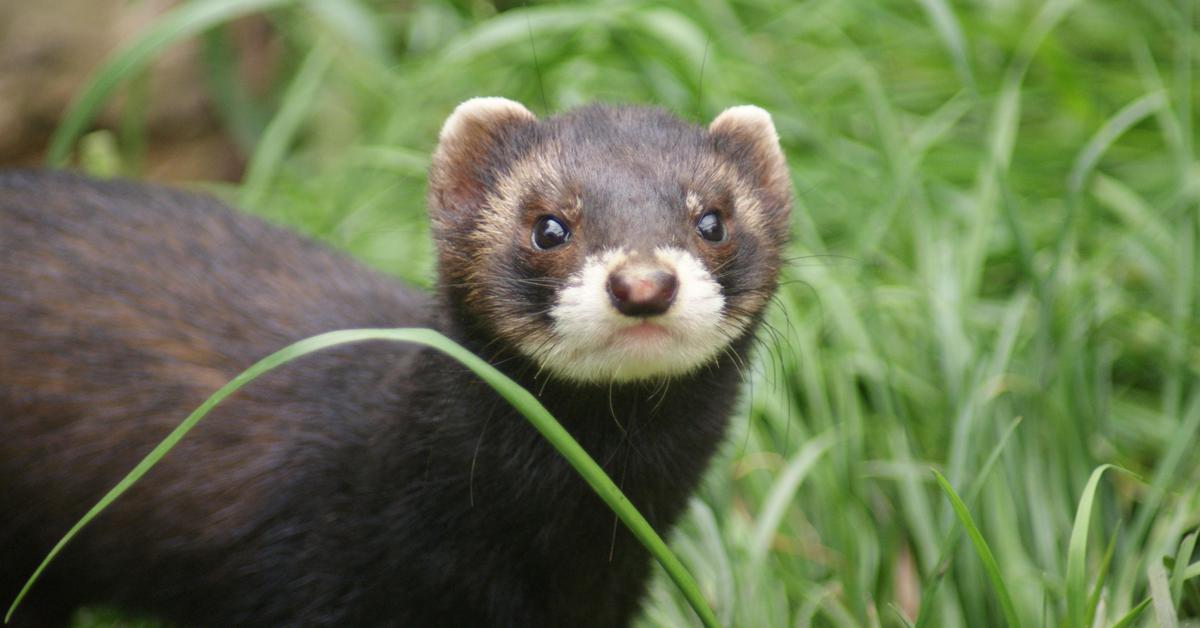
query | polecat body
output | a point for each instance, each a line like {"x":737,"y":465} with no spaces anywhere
{"x":615,"y":261}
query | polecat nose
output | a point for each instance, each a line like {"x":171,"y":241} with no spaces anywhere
{"x":642,"y":292}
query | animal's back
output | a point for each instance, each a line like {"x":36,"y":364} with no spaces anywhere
{"x":122,"y":307}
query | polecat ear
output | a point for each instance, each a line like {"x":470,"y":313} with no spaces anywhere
{"x":475,"y":142}
{"x":747,"y":136}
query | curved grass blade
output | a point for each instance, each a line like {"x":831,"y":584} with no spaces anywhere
{"x":783,"y":491}
{"x":982,"y":549}
{"x":1077,"y":552}
{"x":1191,"y":572}
{"x":925,"y":610}
{"x":186,"y":20}
{"x":1132,"y":615}
{"x":514,"y":27}
{"x":1087,"y":160}
{"x":521,"y":399}
{"x":948,"y":28}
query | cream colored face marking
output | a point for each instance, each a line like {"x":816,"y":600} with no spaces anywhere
{"x":592,"y":341}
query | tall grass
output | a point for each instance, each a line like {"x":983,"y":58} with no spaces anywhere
{"x":993,"y":274}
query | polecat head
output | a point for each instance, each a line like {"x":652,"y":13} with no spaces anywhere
{"x":609,"y":243}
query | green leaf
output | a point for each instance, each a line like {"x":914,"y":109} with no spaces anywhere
{"x":1077,"y":595}
{"x":950,"y":31}
{"x":278,"y":135}
{"x":982,"y":549}
{"x":925,"y":611}
{"x":1093,"y":602}
{"x":1192,"y":572}
{"x":783,"y":491}
{"x":356,"y":26}
{"x":1160,"y":593}
{"x":515,"y":28}
{"x":1179,"y":573}
{"x":181,"y":22}
{"x":1132,"y":615}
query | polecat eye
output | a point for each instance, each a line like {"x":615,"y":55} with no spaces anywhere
{"x":549,"y":232}
{"x":710,"y":227}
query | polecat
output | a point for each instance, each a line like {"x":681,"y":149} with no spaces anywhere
{"x":613,"y":260}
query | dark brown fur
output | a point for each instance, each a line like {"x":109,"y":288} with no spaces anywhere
{"x":374,"y":484}
{"x":125,"y":305}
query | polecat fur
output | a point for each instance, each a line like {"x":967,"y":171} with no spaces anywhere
{"x":615,"y":261}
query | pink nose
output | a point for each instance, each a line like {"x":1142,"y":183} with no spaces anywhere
{"x":642,"y":292}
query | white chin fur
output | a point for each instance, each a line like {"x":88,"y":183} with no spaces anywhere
{"x":591,"y":341}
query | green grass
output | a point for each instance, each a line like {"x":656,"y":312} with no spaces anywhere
{"x":997,"y":218}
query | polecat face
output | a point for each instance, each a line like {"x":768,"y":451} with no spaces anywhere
{"x":609,"y":243}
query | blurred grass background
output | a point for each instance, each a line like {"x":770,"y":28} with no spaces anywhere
{"x":994,"y":268}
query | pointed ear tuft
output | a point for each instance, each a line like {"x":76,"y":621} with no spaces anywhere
{"x":746,"y":134}
{"x":474,"y":144}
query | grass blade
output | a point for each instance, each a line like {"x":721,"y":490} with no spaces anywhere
{"x":982,"y":549}
{"x":1103,"y":139}
{"x":297,"y":101}
{"x":1179,"y":573}
{"x":782,"y":492}
{"x":950,"y":31}
{"x":184,"y":21}
{"x":1168,"y":468}
{"x":925,"y":610}
{"x":356,"y":26}
{"x":1160,"y":593}
{"x":900,"y":615}
{"x":515,"y":27}
{"x":1191,"y":572}
{"x":1077,"y":596}
{"x":521,"y":399}
{"x":1093,"y":602}
{"x":1132,"y":615}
